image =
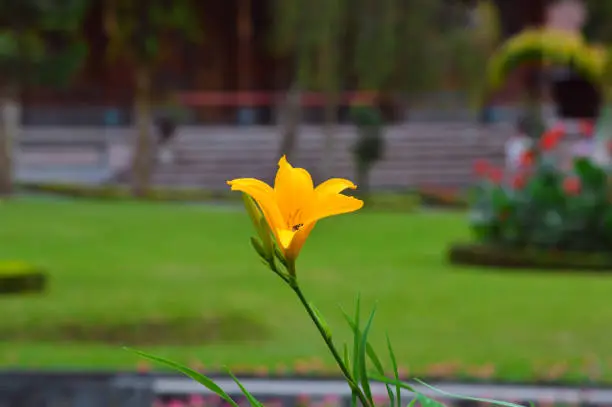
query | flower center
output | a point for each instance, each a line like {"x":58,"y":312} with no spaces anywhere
{"x":294,"y":220}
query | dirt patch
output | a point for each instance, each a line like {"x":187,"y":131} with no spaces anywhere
{"x":232,"y":327}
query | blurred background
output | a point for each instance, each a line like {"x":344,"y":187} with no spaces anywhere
{"x":121,"y":120}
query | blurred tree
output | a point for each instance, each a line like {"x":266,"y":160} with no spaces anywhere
{"x":136,"y":29}
{"x":382,"y":45}
{"x":420,"y":53}
{"x":599,"y":30}
{"x":288,"y":38}
{"x":470,"y":48}
{"x":39,"y":44}
{"x":598,"y":26}
{"x":312,"y":32}
{"x":414,"y":47}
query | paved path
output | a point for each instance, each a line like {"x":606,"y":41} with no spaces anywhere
{"x":280,"y":388}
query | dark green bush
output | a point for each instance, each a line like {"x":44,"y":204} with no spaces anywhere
{"x":21,"y":278}
{"x":369,"y":146}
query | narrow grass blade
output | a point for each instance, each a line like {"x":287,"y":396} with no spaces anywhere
{"x":381,"y":370}
{"x":398,"y":389}
{"x":425,"y":401}
{"x":356,"y":337}
{"x":481,"y":400}
{"x":198,"y":377}
{"x":356,"y":341}
{"x":365,"y":380}
{"x":347,"y":360}
{"x":254,"y":402}
{"x":384,"y":379}
{"x":371,"y":355}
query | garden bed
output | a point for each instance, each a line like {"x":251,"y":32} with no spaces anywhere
{"x":503,"y":257}
{"x":384,"y":201}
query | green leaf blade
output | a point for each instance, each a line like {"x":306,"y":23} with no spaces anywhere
{"x":198,"y":377}
{"x":254,"y":402}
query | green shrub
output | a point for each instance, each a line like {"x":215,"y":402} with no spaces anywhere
{"x":19,"y":278}
{"x":543,"y":206}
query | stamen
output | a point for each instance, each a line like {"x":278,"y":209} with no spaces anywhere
{"x":294,"y":219}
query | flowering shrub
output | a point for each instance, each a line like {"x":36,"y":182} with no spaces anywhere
{"x":543,"y":206}
{"x":283,"y":217}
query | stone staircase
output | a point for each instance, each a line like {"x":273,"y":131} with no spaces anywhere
{"x":417,"y":154}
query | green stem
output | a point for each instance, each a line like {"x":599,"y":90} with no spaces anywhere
{"x":330,"y":345}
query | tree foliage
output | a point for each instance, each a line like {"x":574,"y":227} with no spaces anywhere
{"x":40,"y":41}
{"x":136,"y":28}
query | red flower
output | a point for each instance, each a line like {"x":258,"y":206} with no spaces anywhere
{"x":572,"y":185}
{"x":527,"y":159}
{"x":503,"y":215}
{"x":587,"y":127}
{"x":519,"y":181}
{"x":551,"y":138}
{"x":481,"y":167}
{"x":495,"y":175}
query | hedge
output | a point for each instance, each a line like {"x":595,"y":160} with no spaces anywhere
{"x":115,"y":192}
{"x":21,"y":278}
{"x":503,"y":257}
{"x":389,"y":201}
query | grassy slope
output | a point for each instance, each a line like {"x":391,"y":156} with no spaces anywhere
{"x":126,"y":262}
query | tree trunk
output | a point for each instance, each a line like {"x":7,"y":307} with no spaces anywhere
{"x":292,"y":115}
{"x":9,"y":127}
{"x":362,"y":178}
{"x":142,"y":163}
{"x":329,"y":129}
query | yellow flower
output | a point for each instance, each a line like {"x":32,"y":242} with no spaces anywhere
{"x":294,"y":205}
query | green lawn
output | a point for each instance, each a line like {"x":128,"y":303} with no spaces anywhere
{"x":155,"y":276}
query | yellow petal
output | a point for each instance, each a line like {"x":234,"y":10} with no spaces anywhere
{"x":285,"y":237}
{"x":330,"y":205}
{"x":263,"y":194}
{"x":299,"y":238}
{"x":294,"y":191}
{"x":334,"y":186}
